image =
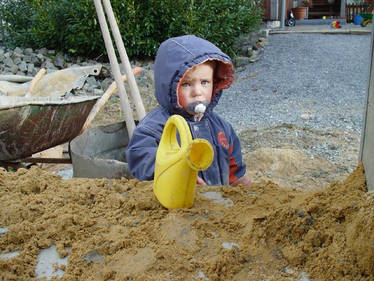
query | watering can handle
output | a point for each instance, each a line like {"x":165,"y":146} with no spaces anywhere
{"x":198,"y":152}
{"x":177,"y":122}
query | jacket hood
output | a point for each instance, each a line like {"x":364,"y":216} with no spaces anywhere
{"x":178,"y":54}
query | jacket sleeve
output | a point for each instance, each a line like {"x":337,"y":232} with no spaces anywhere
{"x":237,"y":167}
{"x":141,"y":152}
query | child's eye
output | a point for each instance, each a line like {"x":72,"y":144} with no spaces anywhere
{"x":185,"y":84}
{"x":204,"y":82}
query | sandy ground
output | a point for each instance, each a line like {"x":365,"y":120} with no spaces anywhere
{"x":117,"y":230}
{"x":306,"y":217}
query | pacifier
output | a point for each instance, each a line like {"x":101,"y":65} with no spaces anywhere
{"x":198,"y":108}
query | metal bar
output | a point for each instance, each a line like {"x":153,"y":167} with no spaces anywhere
{"x":125,"y":105}
{"x":125,"y":60}
{"x":46,"y":160}
{"x":283,"y":13}
{"x":367,"y":136}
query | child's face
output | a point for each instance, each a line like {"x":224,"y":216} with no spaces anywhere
{"x":196,"y":85}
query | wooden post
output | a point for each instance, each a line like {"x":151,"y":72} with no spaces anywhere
{"x":367,"y":138}
{"x":134,"y":90}
{"x":125,"y":105}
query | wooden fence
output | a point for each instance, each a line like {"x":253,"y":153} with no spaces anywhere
{"x":353,"y":9}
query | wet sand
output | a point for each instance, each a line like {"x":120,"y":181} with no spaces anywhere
{"x":117,"y":230}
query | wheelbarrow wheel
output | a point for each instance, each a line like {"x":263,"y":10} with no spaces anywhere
{"x":290,"y":22}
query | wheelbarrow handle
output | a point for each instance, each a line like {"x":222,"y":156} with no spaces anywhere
{"x":33,"y":82}
{"x":134,"y":90}
{"x":104,"y":98}
{"x":124,"y":100}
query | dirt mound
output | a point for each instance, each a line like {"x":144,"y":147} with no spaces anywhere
{"x":291,"y":168}
{"x":299,"y":157}
{"x":116,"y":230}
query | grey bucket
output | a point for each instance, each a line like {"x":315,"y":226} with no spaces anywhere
{"x":100,"y":152}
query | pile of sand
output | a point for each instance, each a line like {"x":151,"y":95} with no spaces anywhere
{"x":117,"y":230}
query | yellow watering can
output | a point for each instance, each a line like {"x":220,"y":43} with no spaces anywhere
{"x":177,"y":165}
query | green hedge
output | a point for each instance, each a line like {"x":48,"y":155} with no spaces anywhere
{"x":72,"y":26}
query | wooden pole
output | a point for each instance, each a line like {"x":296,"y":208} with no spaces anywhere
{"x":125,"y":60}
{"x":125,"y":105}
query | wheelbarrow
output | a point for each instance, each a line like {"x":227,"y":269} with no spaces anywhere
{"x":34,"y":116}
{"x":31,"y":125}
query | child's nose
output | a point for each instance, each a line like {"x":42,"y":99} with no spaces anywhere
{"x":198,"y":90}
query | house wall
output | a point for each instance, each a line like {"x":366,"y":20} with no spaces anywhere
{"x":272,"y":9}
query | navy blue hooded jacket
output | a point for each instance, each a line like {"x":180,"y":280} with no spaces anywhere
{"x":174,"y":57}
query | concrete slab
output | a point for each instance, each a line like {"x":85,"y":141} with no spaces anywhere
{"x":322,"y":26}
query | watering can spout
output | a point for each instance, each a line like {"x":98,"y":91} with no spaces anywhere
{"x":177,"y":164}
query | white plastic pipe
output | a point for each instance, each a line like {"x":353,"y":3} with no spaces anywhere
{"x":125,"y":60}
{"x":125,"y":105}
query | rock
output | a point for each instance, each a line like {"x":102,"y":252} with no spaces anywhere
{"x":30,"y":68}
{"x":18,"y":51}
{"x":59,"y":61}
{"x":40,"y":57}
{"x":28,"y":51}
{"x":49,"y":65}
{"x":93,"y":256}
{"x":42,"y":51}
{"x":27,"y":58}
{"x":8,"y":62}
{"x":14,"y":69}
{"x":17,"y":60}
{"x":256,"y":55}
{"x":22,"y":66}
{"x":248,"y":46}
{"x":241,"y":60}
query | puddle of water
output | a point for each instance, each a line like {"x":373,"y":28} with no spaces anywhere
{"x":229,"y":245}
{"x":3,"y":230}
{"x":46,"y":259}
{"x":201,"y":275}
{"x":66,"y":173}
{"x":5,"y":256}
{"x":9,"y":255}
{"x":304,"y":276}
{"x":217,"y":198}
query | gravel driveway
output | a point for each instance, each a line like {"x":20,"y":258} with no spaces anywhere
{"x":311,"y":80}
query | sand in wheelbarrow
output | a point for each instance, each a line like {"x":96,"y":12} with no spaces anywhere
{"x":105,"y":229}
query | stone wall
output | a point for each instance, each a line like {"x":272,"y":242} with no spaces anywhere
{"x":27,"y":62}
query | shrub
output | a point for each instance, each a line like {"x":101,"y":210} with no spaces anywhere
{"x":72,"y":26}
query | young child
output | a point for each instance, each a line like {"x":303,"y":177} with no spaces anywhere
{"x":190,"y":74}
